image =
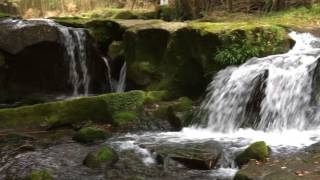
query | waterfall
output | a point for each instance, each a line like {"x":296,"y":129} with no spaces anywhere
{"x":109,"y":78}
{"x":284,"y":83}
{"x":74,"y":41}
{"x":121,"y":84}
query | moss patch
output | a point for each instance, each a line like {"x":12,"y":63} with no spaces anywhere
{"x":90,"y":135}
{"x":125,"y":118}
{"x":56,"y":114}
{"x":104,"y":156}
{"x":39,"y":175}
{"x":258,"y":150}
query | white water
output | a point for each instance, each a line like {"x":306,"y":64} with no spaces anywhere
{"x":287,"y":94}
{"x":285,"y":124}
{"x":121,"y":84}
{"x":109,"y":78}
{"x":74,"y":40}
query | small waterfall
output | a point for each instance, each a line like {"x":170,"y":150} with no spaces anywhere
{"x":286,"y":95}
{"x":109,"y":78}
{"x":74,"y":41}
{"x":121,"y":84}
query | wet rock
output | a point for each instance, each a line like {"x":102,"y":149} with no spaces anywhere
{"x":39,"y":175}
{"x":258,"y":151}
{"x":101,"y":158}
{"x":90,"y":135}
{"x":201,"y":156}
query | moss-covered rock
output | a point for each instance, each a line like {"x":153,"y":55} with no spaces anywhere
{"x":97,"y":109}
{"x":258,"y":150}
{"x":90,"y":135}
{"x":125,"y":118}
{"x":116,"y":49}
{"x":39,"y":175}
{"x":240,"y":176}
{"x":105,"y":156}
{"x":125,"y":15}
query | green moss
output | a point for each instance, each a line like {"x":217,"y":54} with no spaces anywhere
{"x":131,"y":101}
{"x":56,"y":114}
{"x":156,"y":96}
{"x":104,"y":156}
{"x":125,"y":118}
{"x":258,"y":150}
{"x":4,"y":15}
{"x":240,"y":176}
{"x":39,"y":175}
{"x":116,"y":49}
{"x":90,"y":134}
{"x":183,"y":104}
{"x":125,"y":15}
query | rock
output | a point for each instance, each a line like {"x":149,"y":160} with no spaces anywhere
{"x":62,"y":113}
{"x":39,"y":175}
{"x":115,"y":49}
{"x":258,"y":151}
{"x":90,"y":135}
{"x":102,"y":158}
{"x":36,"y":63}
{"x":16,"y":137}
{"x":125,"y":15}
{"x":2,"y":60}
{"x":201,"y":156}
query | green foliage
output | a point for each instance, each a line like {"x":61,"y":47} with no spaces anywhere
{"x":39,"y":175}
{"x":239,"y":46}
{"x":90,"y":134}
{"x":258,"y":150}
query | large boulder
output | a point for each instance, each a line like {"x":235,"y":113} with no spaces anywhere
{"x":101,"y":158}
{"x":33,"y":61}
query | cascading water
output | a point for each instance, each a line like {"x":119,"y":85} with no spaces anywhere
{"x":287,"y":93}
{"x":74,"y":40}
{"x":121,"y":84}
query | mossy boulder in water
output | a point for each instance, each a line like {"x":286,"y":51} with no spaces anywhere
{"x":258,"y":150}
{"x":104,"y":156}
{"x":90,"y":135}
{"x":39,"y":175}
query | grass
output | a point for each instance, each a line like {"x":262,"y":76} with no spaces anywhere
{"x":294,"y":18}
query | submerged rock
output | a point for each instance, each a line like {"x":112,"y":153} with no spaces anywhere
{"x":258,"y":151}
{"x":90,"y":135}
{"x":201,"y":156}
{"x":101,"y":158}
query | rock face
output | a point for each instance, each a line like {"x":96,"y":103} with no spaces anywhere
{"x":33,"y":61}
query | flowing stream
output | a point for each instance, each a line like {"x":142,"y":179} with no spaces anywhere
{"x":271,"y":99}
